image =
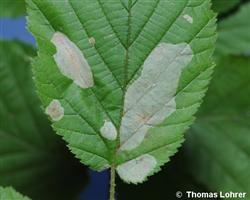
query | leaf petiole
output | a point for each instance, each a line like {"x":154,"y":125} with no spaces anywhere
{"x":112,"y":183}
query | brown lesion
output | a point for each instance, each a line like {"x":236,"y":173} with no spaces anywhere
{"x":92,"y":41}
{"x":143,"y":118}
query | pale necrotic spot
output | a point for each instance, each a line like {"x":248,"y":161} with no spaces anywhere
{"x":55,"y":110}
{"x":108,"y":130}
{"x":188,"y":18}
{"x":150,"y":99}
{"x":92,"y":40}
{"x":71,"y":61}
{"x":136,"y":170}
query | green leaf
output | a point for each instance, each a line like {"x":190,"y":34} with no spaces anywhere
{"x":8,"y":193}
{"x":32,"y":158}
{"x":121,"y":80}
{"x":222,"y":6}
{"x":234,"y":37}
{"x":219,"y":143}
{"x":12,"y":8}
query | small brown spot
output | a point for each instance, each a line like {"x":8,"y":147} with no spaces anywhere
{"x":144,"y":118}
{"x":92,"y":40}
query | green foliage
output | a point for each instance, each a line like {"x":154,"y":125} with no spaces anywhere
{"x":218,"y":144}
{"x":12,"y":8}
{"x":9,"y":193}
{"x":32,"y":158}
{"x":222,"y":6}
{"x":123,"y":36}
{"x":234,"y":37}
{"x":116,"y":37}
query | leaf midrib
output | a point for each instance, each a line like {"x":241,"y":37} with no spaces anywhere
{"x":113,"y":164}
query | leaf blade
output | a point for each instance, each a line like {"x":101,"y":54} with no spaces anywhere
{"x":233,"y":33}
{"x":121,"y":65}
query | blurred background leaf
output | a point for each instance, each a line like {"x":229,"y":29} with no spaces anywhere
{"x":222,"y":6}
{"x":234,"y":32}
{"x":32,"y":158}
{"x":12,"y":8}
{"x":218,"y":145}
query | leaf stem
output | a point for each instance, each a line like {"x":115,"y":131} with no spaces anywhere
{"x":112,"y":183}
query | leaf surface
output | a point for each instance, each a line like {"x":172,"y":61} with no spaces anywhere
{"x":8,"y":193}
{"x":32,"y":157}
{"x":150,"y":62}
{"x":219,"y":142}
{"x":234,"y":37}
